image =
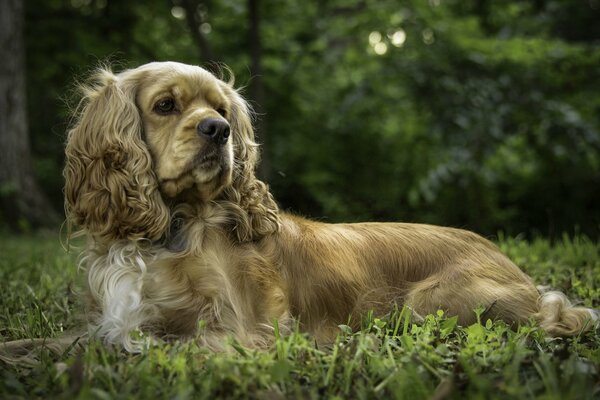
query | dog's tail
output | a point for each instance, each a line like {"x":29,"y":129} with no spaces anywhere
{"x":558,"y":317}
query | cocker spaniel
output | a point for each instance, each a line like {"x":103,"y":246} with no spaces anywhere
{"x":160,"y":177}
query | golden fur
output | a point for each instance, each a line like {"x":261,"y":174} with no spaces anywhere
{"x":180,"y":230}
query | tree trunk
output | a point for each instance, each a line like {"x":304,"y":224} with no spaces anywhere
{"x":257,"y":89}
{"x":22,"y":203}
{"x":194,"y":21}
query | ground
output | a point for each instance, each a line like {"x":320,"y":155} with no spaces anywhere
{"x":395,"y":356}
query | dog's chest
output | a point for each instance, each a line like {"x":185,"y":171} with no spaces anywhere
{"x":186,"y":289}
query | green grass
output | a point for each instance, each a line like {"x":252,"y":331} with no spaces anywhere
{"x":391,"y":357}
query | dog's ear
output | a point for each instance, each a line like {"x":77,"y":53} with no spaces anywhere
{"x":110,"y":186}
{"x":253,"y":208}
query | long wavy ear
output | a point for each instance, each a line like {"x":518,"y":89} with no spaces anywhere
{"x":255,"y":213}
{"x":110,"y":188}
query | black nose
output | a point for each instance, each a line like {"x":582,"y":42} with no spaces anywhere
{"x":215,"y":130}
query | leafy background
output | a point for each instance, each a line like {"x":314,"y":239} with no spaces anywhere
{"x":477,"y":114}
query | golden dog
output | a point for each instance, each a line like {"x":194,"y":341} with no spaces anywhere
{"x":160,"y":177}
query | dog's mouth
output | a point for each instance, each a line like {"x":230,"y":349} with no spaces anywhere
{"x":207,"y":160}
{"x":204,"y":170}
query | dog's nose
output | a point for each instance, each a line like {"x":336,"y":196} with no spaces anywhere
{"x":215,"y":130}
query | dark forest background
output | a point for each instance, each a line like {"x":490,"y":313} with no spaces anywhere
{"x":476,"y":114}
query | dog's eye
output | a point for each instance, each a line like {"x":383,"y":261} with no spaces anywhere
{"x":165,"y":106}
{"x":222,"y":112}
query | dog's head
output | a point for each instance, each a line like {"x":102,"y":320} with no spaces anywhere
{"x":159,"y":135}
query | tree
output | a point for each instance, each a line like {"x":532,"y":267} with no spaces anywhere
{"x":21,"y":200}
{"x":195,"y":18}
{"x":257,"y":89}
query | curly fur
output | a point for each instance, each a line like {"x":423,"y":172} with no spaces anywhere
{"x":175,"y":240}
{"x":110,"y":186}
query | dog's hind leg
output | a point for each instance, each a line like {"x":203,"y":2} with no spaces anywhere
{"x":514,"y":302}
{"x":461,"y":293}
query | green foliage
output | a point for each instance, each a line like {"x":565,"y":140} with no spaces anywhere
{"x":476,"y":114}
{"x":398,"y":355}
{"x":37,"y":296}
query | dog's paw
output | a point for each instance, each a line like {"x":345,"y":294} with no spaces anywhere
{"x":595,"y":315}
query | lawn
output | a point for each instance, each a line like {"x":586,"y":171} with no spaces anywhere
{"x":395,"y":356}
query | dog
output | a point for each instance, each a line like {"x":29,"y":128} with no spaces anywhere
{"x":183,"y":240}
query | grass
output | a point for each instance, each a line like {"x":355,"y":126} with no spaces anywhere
{"x":395,"y":356}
